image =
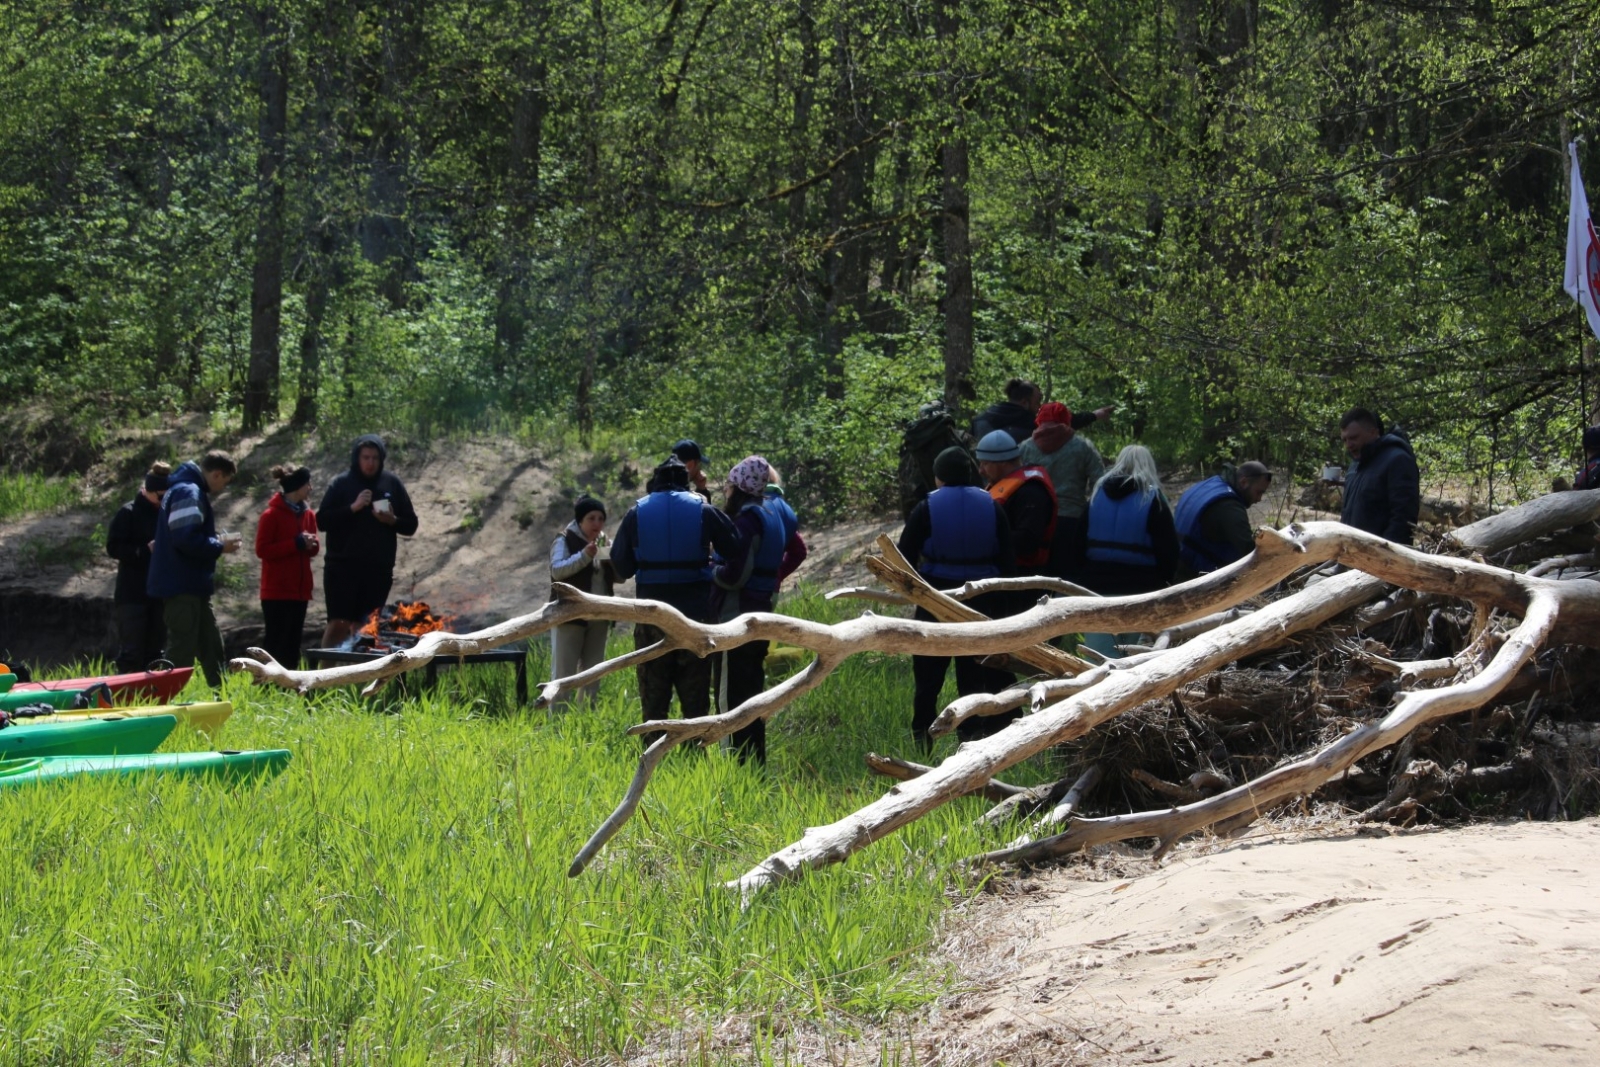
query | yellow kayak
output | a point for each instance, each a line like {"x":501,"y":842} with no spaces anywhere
{"x":206,"y":717}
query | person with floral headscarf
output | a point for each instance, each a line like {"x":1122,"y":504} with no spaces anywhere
{"x":745,"y":581}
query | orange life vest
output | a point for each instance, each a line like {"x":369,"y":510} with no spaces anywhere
{"x":1003,"y":490}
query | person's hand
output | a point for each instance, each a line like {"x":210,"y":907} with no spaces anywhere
{"x":591,"y":549}
{"x":386,"y":516}
{"x":231,"y":543}
{"x":362,"y":500}
{"x":1104,"y":414}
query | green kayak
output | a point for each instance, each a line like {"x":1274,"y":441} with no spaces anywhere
{"x":228,"y":766}
{"x":60,"y":699}
{"x":7,"y":680}
{"x":85,"y":737}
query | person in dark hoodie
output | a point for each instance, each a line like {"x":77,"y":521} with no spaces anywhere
{"x":1015,"y":414}
{"x":183,"y":563}
{"x":141,"y":631}
{"x":1382,"y":487}
{"x":286,"y":541}
{"x":364,"y":513}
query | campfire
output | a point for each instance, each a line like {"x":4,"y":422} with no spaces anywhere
{"x":397,"y":626}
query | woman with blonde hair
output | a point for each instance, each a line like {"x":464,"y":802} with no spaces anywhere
{"x":1132,"y":540}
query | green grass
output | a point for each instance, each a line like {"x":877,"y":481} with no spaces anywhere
{"x":28,"y":493}
{"x":399,"y":895}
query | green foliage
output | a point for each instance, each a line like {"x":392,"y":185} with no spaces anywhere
{"x":26,"y":494}
{"x":74,"y":552}
{"x":400,"y":893}
{"x":1233,"y":221}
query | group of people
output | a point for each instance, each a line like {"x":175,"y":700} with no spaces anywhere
{"x":1032,"y":497}
{"x":167,"y":546}
{"x":710,"y":561}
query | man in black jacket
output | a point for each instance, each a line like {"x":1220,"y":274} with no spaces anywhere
{"x":363,"y":514}
{"x":1382,"y":488}
{"x":1015,"y":414}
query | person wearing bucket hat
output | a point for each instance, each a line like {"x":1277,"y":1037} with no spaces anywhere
{"x":1074,"y":465}
{"x":665,"y":541}
{"x":746,"y":580}
{"x":957,"y":534}
{"x":578,"y":557}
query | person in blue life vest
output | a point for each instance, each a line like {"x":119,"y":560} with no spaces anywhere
{"x":1213,"y":518}
{"x":747,"y":580}
{"x":1132,"y":544}
{"x":665,"y":543}
{"x":1382,"y":486}
{"x":958,"y":534}
{"x":794,"y":546}
{"x":183,"y":563}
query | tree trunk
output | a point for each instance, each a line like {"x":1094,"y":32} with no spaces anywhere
{"x":954,"y":219}
{"x":266,"y":286}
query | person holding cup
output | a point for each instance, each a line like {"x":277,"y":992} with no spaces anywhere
{"x":363,"y":514}
{"x":183,"y":562}
{"x":286,"y":541}
{"x":579,"y":557}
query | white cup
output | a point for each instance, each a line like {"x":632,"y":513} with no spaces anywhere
{"x":382,"y":506}
{"x":1331,"y":473}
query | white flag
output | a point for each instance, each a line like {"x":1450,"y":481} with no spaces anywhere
{"x":1583,"y":249}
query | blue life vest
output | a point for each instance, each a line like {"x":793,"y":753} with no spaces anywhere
{"x":672,"y":541}
{"x":764,"y":575}
{"x":791,"y":521}
{"x":1201,"y":553}
{"x":963,"y":546}
{"x":1119,"y":529}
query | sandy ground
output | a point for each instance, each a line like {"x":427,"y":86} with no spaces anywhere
{"x":1477,"y":945}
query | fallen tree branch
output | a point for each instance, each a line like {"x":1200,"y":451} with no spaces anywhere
{"x":904,"y":770}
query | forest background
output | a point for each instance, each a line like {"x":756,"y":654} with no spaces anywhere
{"x":783,"y":226}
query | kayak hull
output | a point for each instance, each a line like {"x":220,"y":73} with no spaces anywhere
{"x":151,"y":685}
{"x":86,"y":737}
{"x":227,"y":767}
{"x":206,"y":717}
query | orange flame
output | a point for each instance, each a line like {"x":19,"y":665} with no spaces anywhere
{"x":413,"y":617}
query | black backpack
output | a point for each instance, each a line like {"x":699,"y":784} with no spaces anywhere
{"x":932,"y":431}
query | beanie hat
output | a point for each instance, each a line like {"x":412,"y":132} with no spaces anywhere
{"x":295,"y":479}
{"x":749,"y":475}
{"x":155,"y":482}
{"x":1053,"y":412}
{"x":998,"y":446}
{"x":954,"y":466}
{"x":671,"y":474}
{"x":586,"y":504}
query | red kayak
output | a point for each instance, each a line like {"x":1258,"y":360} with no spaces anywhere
{"x":162,"y":685}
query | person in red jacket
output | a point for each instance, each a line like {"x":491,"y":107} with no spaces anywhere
{"x":286,"y":539}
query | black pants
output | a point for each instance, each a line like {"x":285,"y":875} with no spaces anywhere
{"x":742,"y":674}
{"x":927,"y":673}
{"x":141,"y":635}
{"x":284,"y":630}
{"x":681,"y":670}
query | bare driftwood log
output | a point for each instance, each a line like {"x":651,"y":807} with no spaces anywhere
{"x":1551,"y":611}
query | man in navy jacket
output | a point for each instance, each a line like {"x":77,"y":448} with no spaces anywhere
{"x":183,"y":563}
{"x":1382,"y":488}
